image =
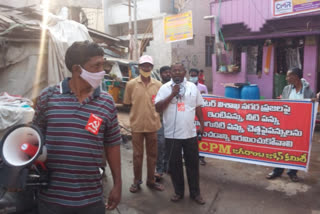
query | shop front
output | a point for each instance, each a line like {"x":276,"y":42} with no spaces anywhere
{"x":261,"y":49}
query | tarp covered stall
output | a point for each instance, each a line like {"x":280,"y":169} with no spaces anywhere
{"x":25,"y":69}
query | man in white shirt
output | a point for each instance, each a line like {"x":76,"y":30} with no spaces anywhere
{"x":180,"y":101}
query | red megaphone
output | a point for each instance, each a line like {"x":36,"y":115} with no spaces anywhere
{"x":29,"y":149}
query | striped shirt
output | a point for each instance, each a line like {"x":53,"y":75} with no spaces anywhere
{"x":75,"y":154}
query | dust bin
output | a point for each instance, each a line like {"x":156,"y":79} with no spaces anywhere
{"x":232,"y":92}
{"x":250,"y":92}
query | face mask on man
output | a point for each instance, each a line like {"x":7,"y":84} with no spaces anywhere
{"x":145,"y":74}
{"x":94,"y":79}
{"x":193,"y":79}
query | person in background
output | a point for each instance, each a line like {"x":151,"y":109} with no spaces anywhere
{"x":297,"y":89}
{"x":140,"y":94}
{"x":162,"y":161}
{"x":194,"y":75}
{"x":201,"y":77}
{"x":79,"y":123}
{"x":180,"y":101}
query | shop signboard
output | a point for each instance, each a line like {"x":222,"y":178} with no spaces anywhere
{"x":275,"y":133}
{"x":292,"y":7}
{"x":178,"y":27}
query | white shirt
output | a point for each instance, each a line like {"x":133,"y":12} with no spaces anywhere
{"x":180,"y":124}
{"x":294,"y":95}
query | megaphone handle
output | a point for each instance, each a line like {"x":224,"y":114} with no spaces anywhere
{"x":41,"y":164}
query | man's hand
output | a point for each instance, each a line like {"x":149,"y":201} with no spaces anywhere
{"x":175,"y":90}
{"x":200,"y":130}
{"x":114,"y":198}
{"x":113,"y":158}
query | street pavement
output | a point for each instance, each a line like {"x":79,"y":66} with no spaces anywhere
{"x":228,"y":188}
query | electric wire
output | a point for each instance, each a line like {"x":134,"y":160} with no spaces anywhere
{"x":174,"y":130}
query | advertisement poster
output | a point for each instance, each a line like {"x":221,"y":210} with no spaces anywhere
{"x":291,"y":7}
{"x":178,"y":27}
{"x":275,"y":133}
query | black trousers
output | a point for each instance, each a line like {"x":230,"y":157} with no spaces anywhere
{"x":191,"y":155}
{"x":279,"y":171}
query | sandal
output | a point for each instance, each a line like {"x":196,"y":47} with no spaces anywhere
{"x":156,"y":186}
{"x":157,"y":177}
{"x":293,"y":177}
{"x":176,"y":198}
{"x":199,"y":200}
{"x":272,"y":175}
{"x":135,"y":188}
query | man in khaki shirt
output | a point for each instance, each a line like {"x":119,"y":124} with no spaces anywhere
{"x":140,"y":93}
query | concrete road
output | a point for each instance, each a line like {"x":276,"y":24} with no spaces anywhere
{"x":228,"y":188}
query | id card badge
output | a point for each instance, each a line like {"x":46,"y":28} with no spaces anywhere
{"x":93,"y":124}
{"x":153,"y":99}
{"x":181,"y":106}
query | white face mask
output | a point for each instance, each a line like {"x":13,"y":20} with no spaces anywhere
{"x":193,"y":79}
{"x":94,"y":79}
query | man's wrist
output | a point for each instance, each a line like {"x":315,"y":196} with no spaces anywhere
{"x":117,"y":182}
{"x":172,"y":96}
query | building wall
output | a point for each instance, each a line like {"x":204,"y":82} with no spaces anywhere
{"x":192,"y":53}
{"x":95,"y":18}
{"x":117,"y":13}
{"x":220,"y":79}
{"x":97,"y":4}
{"x":166,"y":6}
{"x":158,"y":48}
{"x":252,"y":13}
{"x":20,"y":3}
{"x":265,"y":82}
{"x":149,"y":11}
{"x":310,"y":64}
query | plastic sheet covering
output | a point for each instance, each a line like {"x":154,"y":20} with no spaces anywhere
{"x":19,"y":70}
{"x":14,"y":110}
{"x":115,"y":71}
{"x":62,"y":33}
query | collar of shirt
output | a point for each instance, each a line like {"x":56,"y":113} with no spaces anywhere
{"x":64,"y":88}
{"x":152,"y":81}
{"x":183,"y":83}
{"x":293,"y":88}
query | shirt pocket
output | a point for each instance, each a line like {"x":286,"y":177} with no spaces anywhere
{"x":191,"y":99}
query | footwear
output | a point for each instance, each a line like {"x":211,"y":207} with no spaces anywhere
{"x":176,"y":198}
{"x":199,"y":200}
{"x":202,"y":161}
{"x":272,"y":175}
{"x":157,"y":177}
{"x":156,"y":186}
{"x":293,"y":177}
{"x":135,"y":188}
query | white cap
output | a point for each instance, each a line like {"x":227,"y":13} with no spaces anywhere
{"x":145,"y":59}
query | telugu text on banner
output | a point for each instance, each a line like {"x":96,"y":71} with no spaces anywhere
{"x":274,"y":133}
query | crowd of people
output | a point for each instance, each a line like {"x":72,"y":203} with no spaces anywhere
{"x":80,"y":125}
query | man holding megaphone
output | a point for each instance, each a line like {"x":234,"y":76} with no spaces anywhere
{"x":79,"y":122}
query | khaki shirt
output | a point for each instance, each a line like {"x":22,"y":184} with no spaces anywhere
{"x":143,"y":115}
